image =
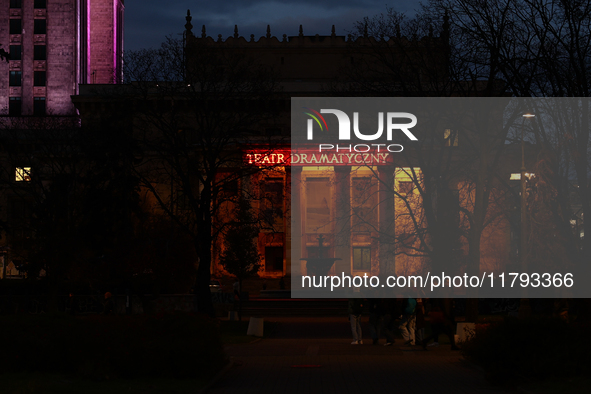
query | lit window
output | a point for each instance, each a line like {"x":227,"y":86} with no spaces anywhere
{"x":450,"y":137}
{"x":23,"y":174}
{"x":364,"y":204}
{"x":361,"y":258}
{"x":405,"y":187}
{"x":318,"y":205}
{"x":516,"y":176}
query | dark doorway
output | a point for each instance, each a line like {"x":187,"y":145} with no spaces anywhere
{"x":274,"y":259}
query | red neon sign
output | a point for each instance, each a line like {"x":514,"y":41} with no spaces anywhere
{"x":266,"y":158}
{"x":311,"y":157}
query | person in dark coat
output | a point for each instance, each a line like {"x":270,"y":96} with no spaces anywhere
{"x":441,"y":323}
{"x":408,"y":322}
{"x":392,"y":309}
{"x":420,"y":323}
{"x":376,"y":318}
{"x":355,"y":310}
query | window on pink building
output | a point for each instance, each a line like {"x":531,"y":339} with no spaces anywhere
{"x":15,"y":52}
{"x":16,"y":26}
{"x":39,"y":106}
{"x":14,"y":106}
{"x":40,"y":78}
{"x":40,"y":52}
{"x":15,"y":78}
{"x":40,"y":26}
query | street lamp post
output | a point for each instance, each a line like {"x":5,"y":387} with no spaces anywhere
{"x":524,"y":306}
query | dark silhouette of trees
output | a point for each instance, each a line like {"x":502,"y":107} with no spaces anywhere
{"x":195,"y":106}
{"x":240,"y":255}
{"x":69,"y":198}
{"x":547,"y":55}
{"x":525,"y":48}
{"x":460,"y":164}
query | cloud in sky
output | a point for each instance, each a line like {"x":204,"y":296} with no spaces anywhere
{"x":147,"y":22}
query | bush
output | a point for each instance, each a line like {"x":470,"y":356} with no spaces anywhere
{"x":169,"y":345}
{"x":529,"y":348}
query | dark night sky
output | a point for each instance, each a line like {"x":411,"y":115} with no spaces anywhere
{"x":147,"y":22}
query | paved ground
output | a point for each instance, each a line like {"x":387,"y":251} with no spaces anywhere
{"x":315,"y":356}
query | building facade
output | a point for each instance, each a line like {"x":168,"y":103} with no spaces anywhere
{"x":386,"y":231}
{"x":80,"y":59}
{"x":49,"y":48}
{"x":53,"y":46}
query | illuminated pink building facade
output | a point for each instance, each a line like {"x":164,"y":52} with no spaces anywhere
{"x":54,"y":45}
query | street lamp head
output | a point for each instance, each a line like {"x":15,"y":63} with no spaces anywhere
{"x":529,"y":115}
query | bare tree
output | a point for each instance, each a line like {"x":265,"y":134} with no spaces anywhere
{"x":530,"y":48}
{"x":430,"y":56}
{"x":547,"y":55}
{"x":240,"y":256}
{"x":196,"y":105}
{"x":67,"y":198}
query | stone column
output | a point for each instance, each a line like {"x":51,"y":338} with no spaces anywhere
{"x":387,"y":218}
{"x":343,"y":219}
{"x":295,"y":233}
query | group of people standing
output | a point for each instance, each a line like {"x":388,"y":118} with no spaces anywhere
{"x":407,"y":315}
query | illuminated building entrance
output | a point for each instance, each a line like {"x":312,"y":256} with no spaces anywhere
{"x":357,"y":209}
